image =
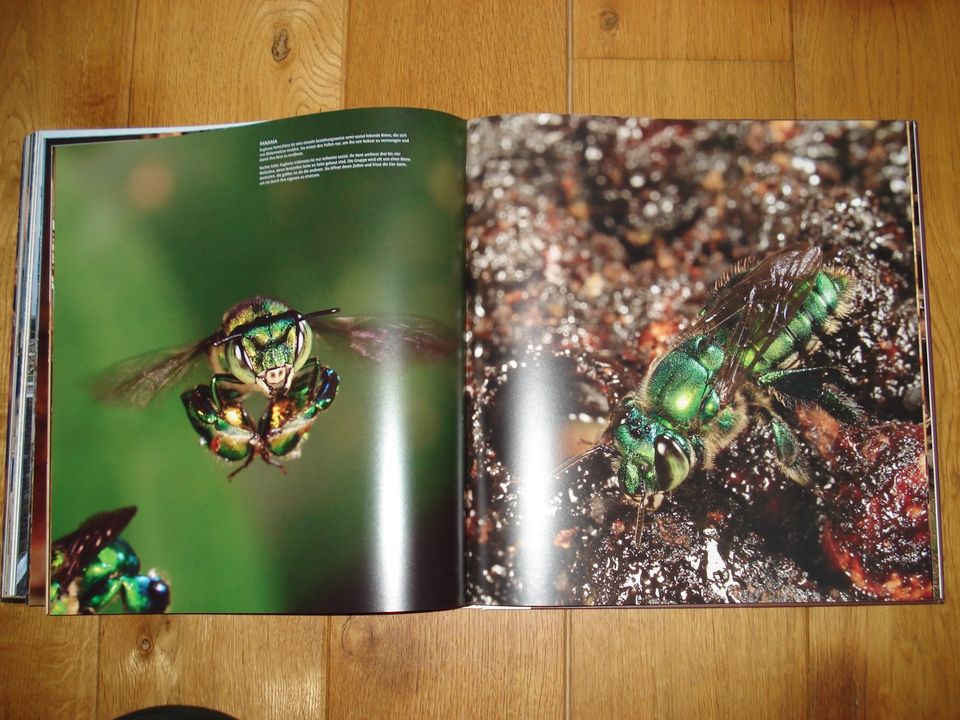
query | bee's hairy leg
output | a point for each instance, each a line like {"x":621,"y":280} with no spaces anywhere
{"x":820,"y":385}
{"x":244,"y":466}
{"x":286,"y":421}
{"x":788,"y":452}
{"x":219,"y":418}
{"x":316,"y":385}
{"x":225,"y":390}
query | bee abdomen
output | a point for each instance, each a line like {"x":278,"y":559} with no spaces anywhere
{"x":827,"y":298}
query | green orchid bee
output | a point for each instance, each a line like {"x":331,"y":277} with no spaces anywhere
{"x":263,"y":346}
{"x":740,"y":359}
{"x":93,"y":566}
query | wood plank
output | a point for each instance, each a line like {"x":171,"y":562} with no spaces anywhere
{"x":866,"y":59}
{"x":683,"y":89}
{"x":245,"y":666}
{"x":469,"y":59}
{"x":670,"y":30}
{"x":229,"y":61}
{"x":49,"y":664}
{"x":741,"y":663}
{"x":78,"y":80}
{"x":464,"y":664}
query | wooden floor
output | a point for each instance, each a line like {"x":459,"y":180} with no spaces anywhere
{"x":116,"y":63}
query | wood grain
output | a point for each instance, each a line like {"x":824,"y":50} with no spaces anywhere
{"x":463,"y":664}
{"x":229,"y":61}
{"x":867,"y":59}
{"x":688,"y":663}
{"x":83,"y":84}
{"x":469,"y":59}
{"x":683,"y":88}
{"x":245,"y":666}
{"x":48,"y":667}
{"x":670,"y":30}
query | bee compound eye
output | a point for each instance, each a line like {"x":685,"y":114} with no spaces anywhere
{"x":670,"y":462}
{"x":159,"y":593}
{"x":242,"y":356}
{"x":302,"y":331}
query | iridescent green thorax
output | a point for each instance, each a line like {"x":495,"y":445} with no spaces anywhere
{"x":116,"y":558}
{"x":680,"y":387}
{"x":251,"y":310}
{"x":272,"y":344}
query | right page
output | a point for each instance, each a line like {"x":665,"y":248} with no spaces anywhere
{"x":697,"y":364}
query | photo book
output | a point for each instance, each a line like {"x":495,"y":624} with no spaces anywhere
{"x":391,"y":360}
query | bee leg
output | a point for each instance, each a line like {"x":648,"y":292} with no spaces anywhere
{"x":286,"y":421}
{"x":788,"y":453}
{"x":244,"y":466}
{"x":316,"y":385}
{"x":219,"y":418}
{"x":818,"y":385}
{"x":264,"y":450}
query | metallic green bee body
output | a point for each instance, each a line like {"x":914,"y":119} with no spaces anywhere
{"x":264,"y":346}
{"x":93,"y":566}
{"x":742,"y":354}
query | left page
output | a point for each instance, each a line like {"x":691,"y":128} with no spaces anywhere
{"x":255,"y":346}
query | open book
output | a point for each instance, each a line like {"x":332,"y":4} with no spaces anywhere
{"x":390,"y":360}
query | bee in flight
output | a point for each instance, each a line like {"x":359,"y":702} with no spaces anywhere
{"x":264,"y":346}
{"x":93,"y":565}
{"x":742,"y":354}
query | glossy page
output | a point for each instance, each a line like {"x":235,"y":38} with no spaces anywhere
{"x":698,"y":357}
{"x":256,"y":345}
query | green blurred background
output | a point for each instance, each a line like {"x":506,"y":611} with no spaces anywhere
{"x":155,"y":239}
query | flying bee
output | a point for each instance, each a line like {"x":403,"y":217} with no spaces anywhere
{"x":740,"y":357}
{"x":264,"y":346}
{"x":93,"y":565}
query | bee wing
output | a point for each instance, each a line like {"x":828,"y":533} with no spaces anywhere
{"x":752,"y":305}
{"x":83,"y":544}
{"x":137,"y":380}
{"x":382,"y":337}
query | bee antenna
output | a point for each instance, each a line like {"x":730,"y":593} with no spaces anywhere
{"x":320,"y":313}
{"x":226,"y":339}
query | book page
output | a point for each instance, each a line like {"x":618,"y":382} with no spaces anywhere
{"x":697,"y":364}
{"x":256,"y":347}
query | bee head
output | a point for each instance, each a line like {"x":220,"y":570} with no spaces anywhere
{"x":148,"y":593}
{"x":655,"y":458}
{"x":268,"y":351}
